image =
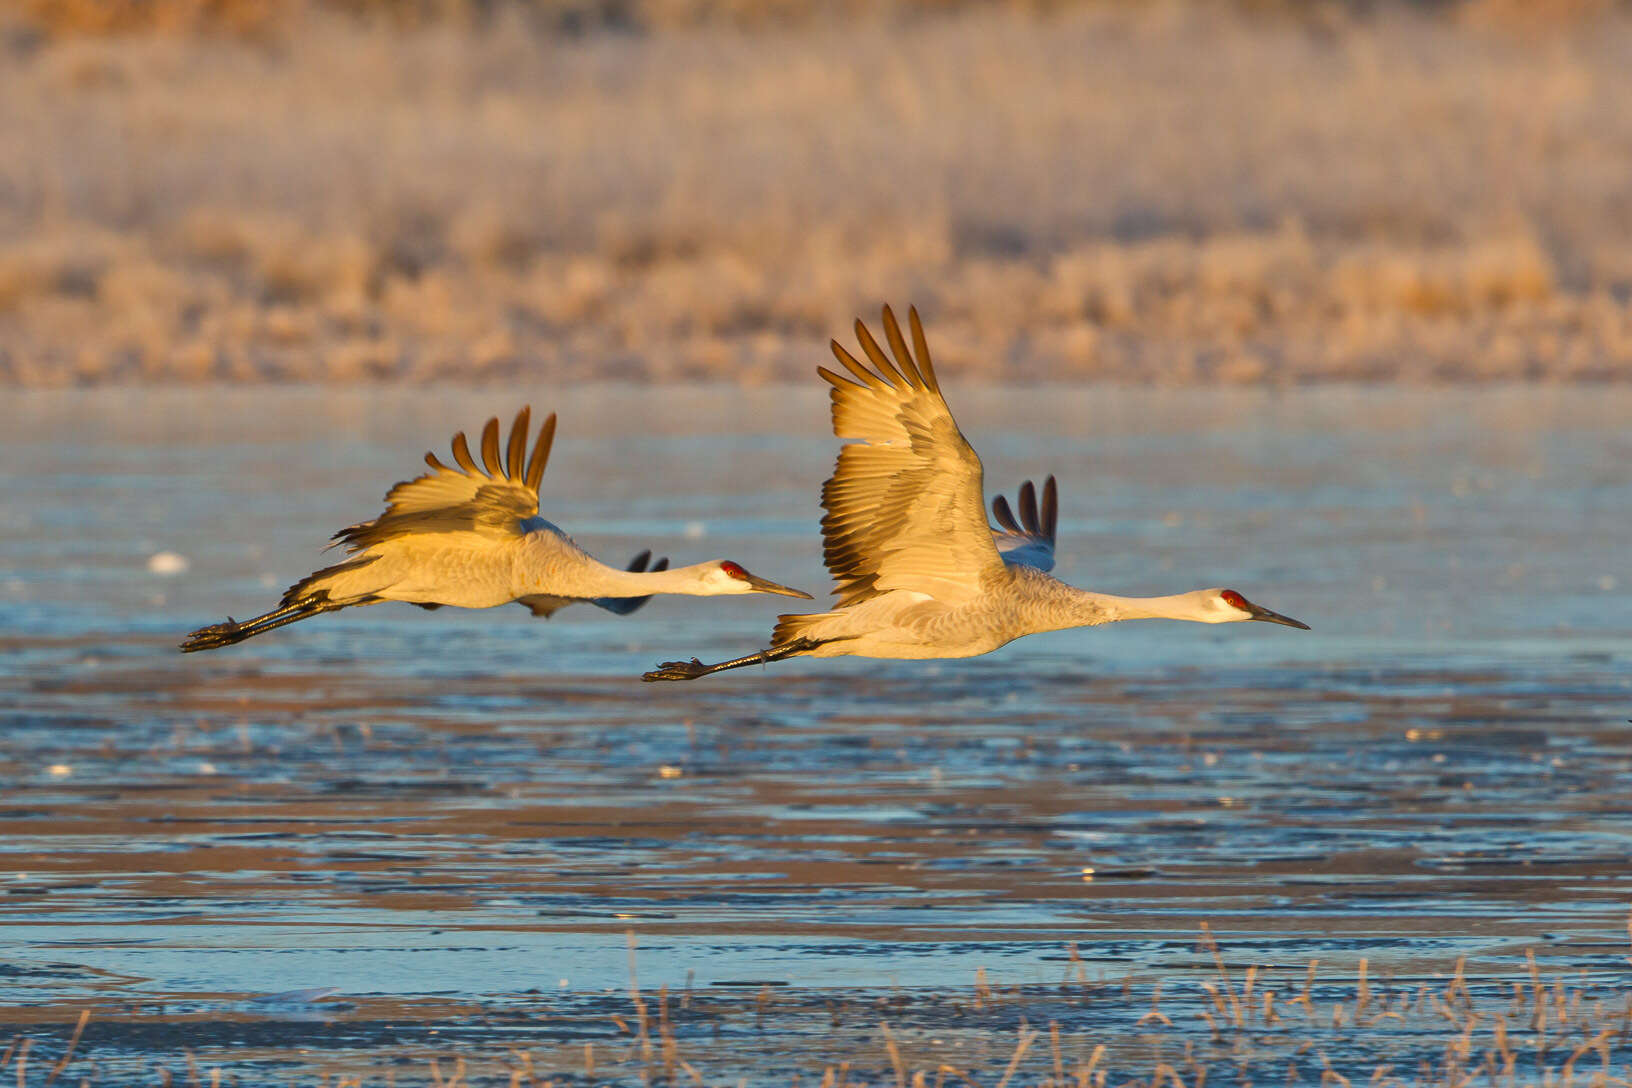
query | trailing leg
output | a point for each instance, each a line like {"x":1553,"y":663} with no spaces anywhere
{"x":691,"y":670}
{"x":217,"y":635}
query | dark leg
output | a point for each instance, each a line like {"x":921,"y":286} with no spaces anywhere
{"x":217,"y":635}
{"x":691,"y":670}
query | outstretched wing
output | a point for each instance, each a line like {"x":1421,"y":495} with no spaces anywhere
{"x":493,"y":497}
{"x":1028,"y":542}
{"x":904,"y":505}
{"x":545,"y":606}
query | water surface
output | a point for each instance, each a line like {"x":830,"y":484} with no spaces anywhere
{"x":456,"y":819}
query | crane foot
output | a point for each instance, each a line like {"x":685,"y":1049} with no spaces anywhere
{"x":677,"y":670}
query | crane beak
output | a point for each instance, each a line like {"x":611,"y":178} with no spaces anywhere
{"x":1260,"y":613}
{"x":765,"y":585}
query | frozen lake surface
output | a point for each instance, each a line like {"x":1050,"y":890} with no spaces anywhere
{"x":455,"y":819}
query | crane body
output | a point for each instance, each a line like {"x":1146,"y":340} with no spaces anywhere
{"x":470,"y":536}
{"x":919,"y":571}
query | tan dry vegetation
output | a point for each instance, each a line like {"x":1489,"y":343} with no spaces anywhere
{"x":1161,"y":193}
{"x":1239,"y":1024}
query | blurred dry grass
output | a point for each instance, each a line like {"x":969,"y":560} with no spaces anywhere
{"x":1160,"y":192}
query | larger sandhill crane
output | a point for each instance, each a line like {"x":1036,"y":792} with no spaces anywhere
{"x":920,"y":573}
{"x":471,"y":536}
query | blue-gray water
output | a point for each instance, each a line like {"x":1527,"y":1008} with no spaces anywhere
{"x":459,"y":806}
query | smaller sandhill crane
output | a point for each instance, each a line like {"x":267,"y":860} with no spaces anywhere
{"x":920,"y":573}
{"x":469,"y":535}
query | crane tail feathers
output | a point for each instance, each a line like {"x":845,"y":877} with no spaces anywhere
{"x":1051,"y":508}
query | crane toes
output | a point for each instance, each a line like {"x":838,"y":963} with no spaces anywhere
{"x":677,"y":670}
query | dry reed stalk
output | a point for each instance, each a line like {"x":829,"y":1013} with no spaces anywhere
{"x":1163,"y":1071}
{"x":983,"y":992}
{"x":1085,"y":1072}
{"x":1073,"y":965}
{"x":761,"y":1003}
{"x":665,"y":1032}
{"x":1155,"y":1013}
{"x":644,"y":1039}
{"x":1599,"y":1042}
{"x":1458,"y":984}
{"x":1305,"y":999}
{"x":1211,"y":946}
{"x":895,"y":1055}
{"x":67,"y":1055}
{"x":1328,"y":1075}
{"x":1059,"y":1058}
{"x":525,"y":1058}
{"x":1027,"y":1037}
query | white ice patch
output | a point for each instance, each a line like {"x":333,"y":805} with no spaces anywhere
{"x":167,"y":563}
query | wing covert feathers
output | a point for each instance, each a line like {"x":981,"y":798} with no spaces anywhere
{"x":904,"y":505}
{"x":494,"y":496}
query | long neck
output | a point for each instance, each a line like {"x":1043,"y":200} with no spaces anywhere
{"x":605,"y":581}
{"x":1084,"y":608}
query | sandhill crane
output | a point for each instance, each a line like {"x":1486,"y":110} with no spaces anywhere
{"x":919,"y":571}
{"x":469,"y":535}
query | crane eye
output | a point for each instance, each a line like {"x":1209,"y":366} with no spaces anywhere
{"x":1234,"y":599}
{"x":734,"y":571}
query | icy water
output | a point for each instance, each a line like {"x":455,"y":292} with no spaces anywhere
{"x":457,"y":821}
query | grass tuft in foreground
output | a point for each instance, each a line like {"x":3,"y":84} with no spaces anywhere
{"x":1218,"y":1022}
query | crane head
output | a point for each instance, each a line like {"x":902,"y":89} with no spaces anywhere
{"x":1228,"y":606}
{"x":725,"y":577}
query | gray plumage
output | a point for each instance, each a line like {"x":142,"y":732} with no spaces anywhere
{"x":470,"y":535}
{"x":917,"y":570}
